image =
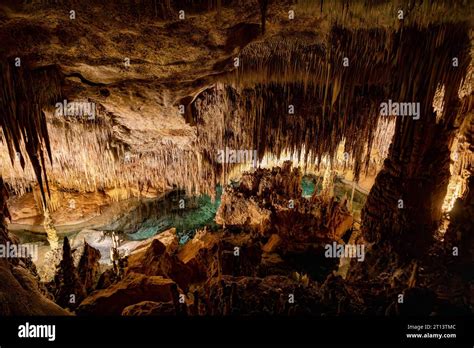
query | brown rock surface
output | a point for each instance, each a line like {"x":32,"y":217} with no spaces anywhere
{"x":168,"y":238}
{"x":156,"y":260}
{"x":272,"y":244}
{"x":147,"y":308}
{"x":260,"y":296}
{"x":236,"y":210}
{"x":270,"y":201}
{"x":134,"y":288}
{"x":88,"y":267}
{"x":21,"y":292}
{"x":199,"y":255}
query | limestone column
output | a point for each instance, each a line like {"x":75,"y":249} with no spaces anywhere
{"x":51,"y":231}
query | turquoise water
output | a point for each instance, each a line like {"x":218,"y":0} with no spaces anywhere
{"x":155,"y":216}
{"x":197,"y":213}
{"x":308,"y":184}
{"x":341,"y":189}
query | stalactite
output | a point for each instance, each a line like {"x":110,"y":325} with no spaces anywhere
{"x":286,"y":71}
{"x":90,"y":160}
{"x":304,"y":133}
{"x":333,"y":105}
{"x":263,"y":12}
{"x":24,"y":93}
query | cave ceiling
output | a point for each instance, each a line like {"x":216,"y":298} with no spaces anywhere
{"x":169,"y":91}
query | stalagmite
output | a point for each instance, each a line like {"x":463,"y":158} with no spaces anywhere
{"x":51,"y":232}
{"x":235,"y":157}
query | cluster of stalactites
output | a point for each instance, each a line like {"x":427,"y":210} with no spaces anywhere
{"x":385,"y":13}
{"x":301,"y":93}
{"x":336,"y":88}
{"x":23,"y":95}
{"x":298,"y":96}
{"x":258,"y":121}
{"x":92,"y":160}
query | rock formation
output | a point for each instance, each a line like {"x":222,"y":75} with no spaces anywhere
{"x":134,"y":288}
{"x":21,"y":291}
{"x":271,"y":201}
{"x":69,"y":288}
{"x":138,"y":101}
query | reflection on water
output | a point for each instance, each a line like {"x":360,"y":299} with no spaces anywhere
{"x":186,"y":214}
{"x":310,"y":182}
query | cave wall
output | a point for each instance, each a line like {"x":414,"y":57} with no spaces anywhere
{"x":417,"y":168}
{"x":21,"y":292}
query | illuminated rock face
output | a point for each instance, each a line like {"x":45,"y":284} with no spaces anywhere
{"x":20,"y":288}
{"x":270,"y":201}
{"x":408,"y":191}
{"x":160,"y":120}
{"x":152,"y":99}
